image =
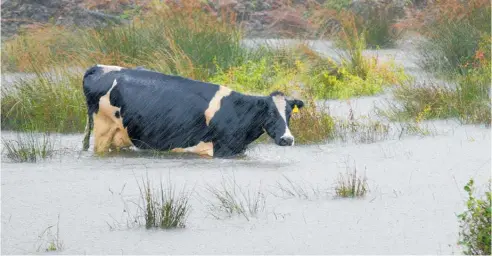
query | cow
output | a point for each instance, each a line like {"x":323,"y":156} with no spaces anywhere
{"x":151,"y":110}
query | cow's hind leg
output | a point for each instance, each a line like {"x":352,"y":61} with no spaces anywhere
{"x":121,"y":140}
{"x":104,"y":131}
{"x":87,"y":133}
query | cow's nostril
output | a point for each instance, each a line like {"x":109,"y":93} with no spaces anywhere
{"x":286,"y":141}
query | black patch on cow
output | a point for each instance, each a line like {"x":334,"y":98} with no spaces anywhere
{"x":117,"y":114}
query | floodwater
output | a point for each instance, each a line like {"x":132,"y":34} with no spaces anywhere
{"x":415,"y":193}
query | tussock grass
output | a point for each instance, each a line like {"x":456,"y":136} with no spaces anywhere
{"x":162,"y":207}
{"x":468,"y":102}
{"x":48,"y":102}
{"x":351,"y":185}
{"x":231,"y":200}
{"x":475,"y":222}
{"x":28,"y":147}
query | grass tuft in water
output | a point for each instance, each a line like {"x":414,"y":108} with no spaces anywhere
{"x":475,"y":223}
{"x":162,"y":207}
{"x":232,"y":200}
{"x":351,"y":185}
{"x":52,"y":242}
{"x":28,"y":147}
{"x":292,"y":188}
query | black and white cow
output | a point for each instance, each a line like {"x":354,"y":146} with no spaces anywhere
{"x":151,"y":110}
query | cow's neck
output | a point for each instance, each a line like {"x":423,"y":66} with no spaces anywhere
{"x":255,"y":121}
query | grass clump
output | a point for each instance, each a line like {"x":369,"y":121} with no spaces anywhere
{"x":28,"y":147}
{"x":162,"y":207}
{"x":475,"y":223}
{"x":456,"y":32}
{"x":232,"y":200}
{"x":351,"y":185}
{"x":469,"y":101}
{"x":47,"y":102}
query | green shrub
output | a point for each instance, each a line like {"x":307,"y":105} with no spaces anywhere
{"x":311,"y":125}
{"x":475,"y":223}
{"x":260,"y":76}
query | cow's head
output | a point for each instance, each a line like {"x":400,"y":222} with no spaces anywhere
{"x":277,"y":112}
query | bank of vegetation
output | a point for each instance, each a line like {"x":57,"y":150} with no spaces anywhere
{"x":183,"y":39}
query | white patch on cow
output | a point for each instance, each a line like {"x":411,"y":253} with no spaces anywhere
{"x":108,"y":68}
{"x":202,"y":148}
{"x":214,"y":104}
{"x":112,"y":86}
{"x":281,"y":105}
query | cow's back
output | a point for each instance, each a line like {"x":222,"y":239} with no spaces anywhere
{"x":161,"y":111}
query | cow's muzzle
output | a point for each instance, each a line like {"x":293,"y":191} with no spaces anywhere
{"x":286,"y":141}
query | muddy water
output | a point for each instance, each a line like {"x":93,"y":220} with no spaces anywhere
{"x":415,"y":191}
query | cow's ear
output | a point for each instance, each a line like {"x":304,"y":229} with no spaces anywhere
{"x":296,"y":103}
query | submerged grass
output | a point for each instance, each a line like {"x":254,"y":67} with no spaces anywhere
{"x":291,"y":188}
{"x":28,"y":147}
{"x":231,"y":199}
{"x":162,"y":207}
{"x":366,"y":131}
{"x":52,"y":242}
